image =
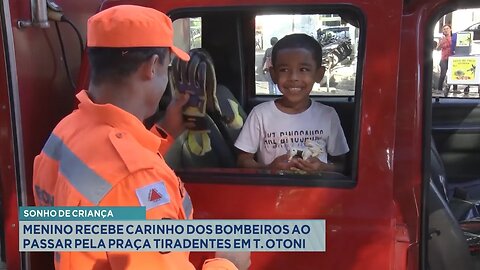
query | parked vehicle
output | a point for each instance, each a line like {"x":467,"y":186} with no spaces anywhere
{"x":475,"y":28}
{"x":335,"y":51}
{"x":341,"y":32}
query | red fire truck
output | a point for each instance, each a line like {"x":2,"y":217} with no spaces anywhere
{"x":386,"y":211}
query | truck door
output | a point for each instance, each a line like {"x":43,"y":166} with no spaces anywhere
{"x":359,"y":204}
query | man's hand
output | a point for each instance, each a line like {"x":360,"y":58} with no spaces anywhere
{"x":173,"y":122}
{"x":241,"y":259}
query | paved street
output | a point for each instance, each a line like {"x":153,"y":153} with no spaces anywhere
{"x":473,"y":93}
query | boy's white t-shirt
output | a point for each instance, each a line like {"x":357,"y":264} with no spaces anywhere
{"x":269,"y":132}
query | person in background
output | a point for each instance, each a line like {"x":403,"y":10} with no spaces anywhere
{"x":102,"y":154}
{"x":266,"y":64}
{"x":445,"y":45}
{"x":274,"y":127}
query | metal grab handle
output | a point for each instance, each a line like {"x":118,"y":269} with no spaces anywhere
{"x":39,"y":15}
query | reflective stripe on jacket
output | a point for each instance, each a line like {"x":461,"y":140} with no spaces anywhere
{"x":101,"y":155}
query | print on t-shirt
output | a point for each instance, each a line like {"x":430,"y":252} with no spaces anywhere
{"x":269,"y":133}
{"x":291,"y":138}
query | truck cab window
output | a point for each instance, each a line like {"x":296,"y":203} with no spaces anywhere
{"x":456,"y":54}
{"x":239,"y":44}
{"x":188,"y":33}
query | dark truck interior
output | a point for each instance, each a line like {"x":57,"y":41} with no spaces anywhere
{"x":454,"y":189}
{"x":453,"y":179}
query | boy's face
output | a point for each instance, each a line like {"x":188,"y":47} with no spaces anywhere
{"x":295,"y":72}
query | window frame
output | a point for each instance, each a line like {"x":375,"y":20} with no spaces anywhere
{"x":248,"y":98}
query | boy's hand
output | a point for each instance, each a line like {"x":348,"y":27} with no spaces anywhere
{"x":173,"y":122}
{"x":282,"y":163}
{"x":313,"y":165}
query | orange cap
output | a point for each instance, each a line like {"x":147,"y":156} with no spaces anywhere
{"x":126,"y":26}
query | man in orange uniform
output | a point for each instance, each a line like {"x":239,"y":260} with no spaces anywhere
{"x":102,"y":154}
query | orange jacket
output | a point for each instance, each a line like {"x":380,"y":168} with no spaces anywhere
{"x":101,"y":155}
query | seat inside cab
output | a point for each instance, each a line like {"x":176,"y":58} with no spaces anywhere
{"x":224,"y":119}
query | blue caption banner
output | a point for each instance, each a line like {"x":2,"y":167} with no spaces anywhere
{"x":173,"y":235}
{"x":81,"y":213}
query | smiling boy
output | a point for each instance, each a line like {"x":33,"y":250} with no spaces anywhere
{"x":293,"y":119}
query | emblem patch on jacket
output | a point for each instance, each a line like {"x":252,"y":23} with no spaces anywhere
{"x":153,"y":195}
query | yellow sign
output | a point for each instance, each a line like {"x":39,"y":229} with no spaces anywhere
{"x":463,"y":70}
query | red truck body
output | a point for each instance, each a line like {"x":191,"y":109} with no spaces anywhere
{"x":372,"y":223}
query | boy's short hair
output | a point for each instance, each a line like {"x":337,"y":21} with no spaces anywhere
{"x":295,"y":41}
{"x":115,"y":64}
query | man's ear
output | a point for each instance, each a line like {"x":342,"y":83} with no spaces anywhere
{"x":149,"y":68}
{"x":273,"y":75}
{"x":319,"y":74}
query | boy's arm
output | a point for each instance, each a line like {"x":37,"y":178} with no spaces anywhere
{"x":338,"y":163}
{"x":248,"y":142}
{"x":246,"y":160}
{"x":337,"y":146}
